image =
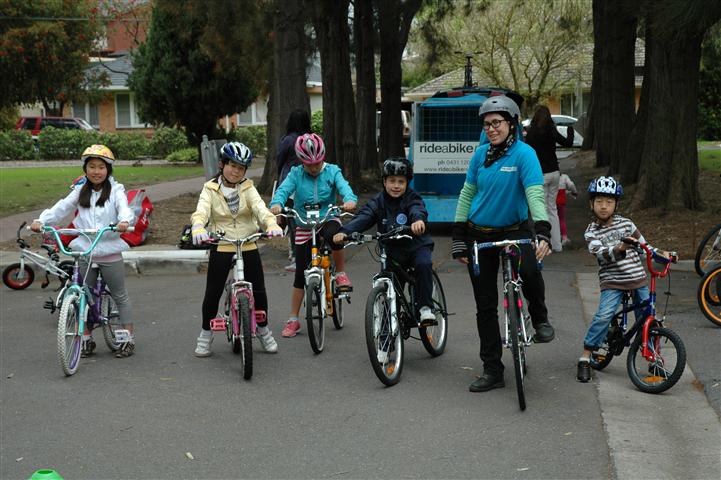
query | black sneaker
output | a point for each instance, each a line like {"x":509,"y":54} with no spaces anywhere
{"x":487,"y":382}
{"x":584,"y":371}
{"x":87,"y":348}
{"x":544,"y":333}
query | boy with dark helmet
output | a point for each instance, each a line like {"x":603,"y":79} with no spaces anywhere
{"x":399,"y":205}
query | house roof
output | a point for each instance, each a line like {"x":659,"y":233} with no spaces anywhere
{"x":119,"y":66}
{"x":578,"y":71}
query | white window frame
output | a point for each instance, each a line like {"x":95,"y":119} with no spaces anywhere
{"x":85,"y":106}
{"x":134,"y":120}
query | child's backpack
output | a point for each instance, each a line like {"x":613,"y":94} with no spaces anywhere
{"x":142,"y":207}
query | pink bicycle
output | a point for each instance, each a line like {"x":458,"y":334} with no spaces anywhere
{"x":239,"y":316}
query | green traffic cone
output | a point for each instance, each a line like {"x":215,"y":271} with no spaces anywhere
{"x":46,"y":474}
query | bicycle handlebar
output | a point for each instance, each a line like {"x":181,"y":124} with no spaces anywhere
{"x":291,"y":212}
{"x":218,"y":237}
{"x":651,"y":255}
{"x":504,"y":243}
{"x":398,"y":233}
{"x":86,"y":232}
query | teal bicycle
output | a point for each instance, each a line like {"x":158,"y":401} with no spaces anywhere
{"x":84,"y":307}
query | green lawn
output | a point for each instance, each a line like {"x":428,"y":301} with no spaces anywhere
{"x":710,"y":160}
{"x":23,"y":189}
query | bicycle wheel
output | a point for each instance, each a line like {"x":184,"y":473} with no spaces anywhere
{"x":246,"y":342}
{"x":709,"y":251}
{"x":69,"y":334}
{"x":665,"y":367}
{"x":232,"y":322}
{"x":518,"y":348}
{"x":314,"y":315}
{"x":434,"y":338}
{"x":17,"y":279}
{"x":337,"y":308}
{"x":708,"y":295}
{"x":384,"y":350}
{"x":110,"y":320}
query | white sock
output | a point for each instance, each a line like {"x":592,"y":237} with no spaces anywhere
{"x":206,"y":333}
{"x":583,"y":359}
{"x":262,"y":330}
{"x":87,"y":337}
{"x":292,"y":319}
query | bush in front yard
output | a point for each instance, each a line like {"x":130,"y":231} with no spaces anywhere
{"x":127,"y":145}
{"x":184,"y":155}
{"x":167,"y":140}
{"x":16,"y":145}
{"x":253,"y":137}
{"x":62,"y":144}
{"x":316,"y":122}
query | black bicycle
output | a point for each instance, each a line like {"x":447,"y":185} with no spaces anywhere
{"x":391,"y":310}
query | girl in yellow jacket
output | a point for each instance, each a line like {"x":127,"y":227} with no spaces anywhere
{"x":231,"y":203}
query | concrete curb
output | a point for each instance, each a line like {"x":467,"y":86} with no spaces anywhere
{"x":671,"y":435}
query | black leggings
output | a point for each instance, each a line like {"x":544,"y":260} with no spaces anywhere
{"x":302,"y":251}
{"x":485,"y":292}
{"x":219,"y":265}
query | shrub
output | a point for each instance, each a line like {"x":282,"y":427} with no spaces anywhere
{"x":17,"y":145}
{"x":8,"y":117}
{"x":184,"y":155}
{"x":61,"y":144}
{"x":316,"y":122}
{"x":253,"y":137}
{"x":127,"y":145}
{"x":167,"y":140}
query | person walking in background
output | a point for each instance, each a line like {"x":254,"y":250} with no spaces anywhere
{"x":564,"y":184}
{"x":543,"y":136}
{"x":298,"y":124}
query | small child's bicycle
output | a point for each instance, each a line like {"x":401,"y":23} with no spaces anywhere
{"x":657,"y":356}
{"x":84,"y":307}
{"x":239,"y":317}
{"x":20,"y":276}
{"x":391,"y":314}
{"x":517,"y":321}
{"x":321,"y":290}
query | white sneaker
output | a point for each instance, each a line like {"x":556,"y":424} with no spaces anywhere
{"x":202,"y":349}
{"x":382,"y":357}
{"x":267,"y":342}
{"x":427,"y":314}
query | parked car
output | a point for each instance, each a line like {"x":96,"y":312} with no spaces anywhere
{"x":562,"y":123}
{"x":35,"y":124}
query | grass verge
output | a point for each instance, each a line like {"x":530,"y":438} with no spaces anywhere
{"x":24,"y":189}
{"x":710,"y":160}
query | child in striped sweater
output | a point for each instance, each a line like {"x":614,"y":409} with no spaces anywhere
{"x":620,"y":267}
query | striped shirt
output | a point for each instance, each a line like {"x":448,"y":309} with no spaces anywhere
{"x":618,"y":270}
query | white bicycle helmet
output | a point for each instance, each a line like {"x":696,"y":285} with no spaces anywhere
{"x":500,"y":103}
{"x":236,"y":152}
{"x":605,"y":186}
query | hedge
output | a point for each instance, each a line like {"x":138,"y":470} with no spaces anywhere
{"x":253,"y":137}
{"x":167,"y":140}
{"x":189,"y":154}
{"x":17,"y":145}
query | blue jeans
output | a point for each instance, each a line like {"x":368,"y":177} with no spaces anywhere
{"x":607,"y":307}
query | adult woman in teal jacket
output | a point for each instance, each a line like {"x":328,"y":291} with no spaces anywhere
{"x":504,"y":181}
{"x":313,"y":182}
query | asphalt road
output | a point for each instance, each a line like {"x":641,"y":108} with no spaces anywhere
{"x":304,"y":415}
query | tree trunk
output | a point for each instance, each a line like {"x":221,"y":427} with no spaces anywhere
{"x":363,"y":35}
{"x":614,"y":31}
{"x":395,"y":20}
{"x":330,"y":20}
{"x":288,"y":79}
{"x":662,"y":154}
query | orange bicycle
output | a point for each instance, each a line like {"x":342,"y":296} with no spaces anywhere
{"x":323,"y":297}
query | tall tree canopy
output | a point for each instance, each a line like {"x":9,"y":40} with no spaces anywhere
{"x":44,"y":49}
{"x":185,"y":74}
{"x":523,"y":45}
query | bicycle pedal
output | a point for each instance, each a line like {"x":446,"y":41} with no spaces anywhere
{"x":49,"y":305}
{"x":217,"y":324}
{"x":121,"y":335}
{"x":343,"y":288}
{"x":428,"y":323}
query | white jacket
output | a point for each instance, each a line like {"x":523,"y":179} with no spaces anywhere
{"x":115,"y":210}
